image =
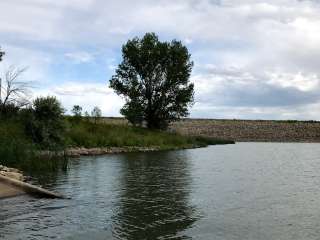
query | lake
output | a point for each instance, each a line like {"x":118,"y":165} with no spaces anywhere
{"x":242,"y":191}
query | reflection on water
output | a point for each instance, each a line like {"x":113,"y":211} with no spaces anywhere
{"x":155,"y":197}
{"x":243,"y":191}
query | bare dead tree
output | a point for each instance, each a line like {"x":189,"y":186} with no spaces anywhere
{"x":1,"y":54}
{"x":14,"y":91}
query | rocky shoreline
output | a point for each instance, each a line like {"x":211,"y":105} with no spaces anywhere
{"x":74,"y":152}
{"x":251,"y":130}
{"x":82,"y":151}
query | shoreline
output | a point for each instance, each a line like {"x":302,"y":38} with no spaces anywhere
{"x":75,"y":152}
{"x":82,"y":151}
{"x":8,"y":174}
{"x":96,"y":151}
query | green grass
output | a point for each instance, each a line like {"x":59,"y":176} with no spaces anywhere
{"x":14,"y":145}
{"x":88,"y":134}
{"x":17,"y":150}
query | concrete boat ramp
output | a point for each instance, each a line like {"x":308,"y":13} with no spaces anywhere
{"x":8,"y":191}
{"x":10,"y":187}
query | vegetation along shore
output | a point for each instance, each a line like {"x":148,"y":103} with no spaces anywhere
{"x":22,"y":141}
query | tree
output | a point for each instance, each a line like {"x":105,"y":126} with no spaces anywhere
{"x":77,"y":110}
{"x":46,"y":124}
{"x":1,"y":54}
{"x":13,"y":91}
{"x":87,"y":116}
{"x":153,"y":78}
{"x":96,"y":114}
{"x":14,"y":94}
{"x":77,"y":113}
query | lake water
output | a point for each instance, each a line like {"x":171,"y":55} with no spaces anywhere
{"x":242,"y":191}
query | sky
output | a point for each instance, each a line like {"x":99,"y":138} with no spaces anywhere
{"x":252,"y":59}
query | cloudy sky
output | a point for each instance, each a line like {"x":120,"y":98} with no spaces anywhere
{"x":253,"y":59}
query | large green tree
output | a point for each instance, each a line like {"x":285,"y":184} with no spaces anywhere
{"x":153,"y":77}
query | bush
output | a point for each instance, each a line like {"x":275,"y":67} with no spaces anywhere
{"x":17,"y":150}
{"x":46,"y":123}
{"x":8,"y":111}
{"x":15,"y":147}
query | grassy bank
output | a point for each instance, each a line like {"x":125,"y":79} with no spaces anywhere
{"x":88,"y":134}
{"x":18,"y":150}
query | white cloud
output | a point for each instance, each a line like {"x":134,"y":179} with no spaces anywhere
{"x":252,"y":58}
{"x":87,"y":95}
{"x":80,"y":57}
{"x":303,"y":82}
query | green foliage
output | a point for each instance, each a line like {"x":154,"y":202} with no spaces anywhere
{"x":47,"y":109}
{"x":154,"y":80}
{"x":86,"y":116}
{"x":8,"y":111}
{"x":88,"y":134}
{"x":96,"y":114}
{"x":17,"y":149}
{"x":133,"y":112}
{"x":77,"y":111}
{"x":46,"y":123}
{"x":77,"y":114}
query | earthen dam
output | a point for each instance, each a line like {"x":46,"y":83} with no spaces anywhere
{"x":243,"y":130}
{"x":251,"y":130}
